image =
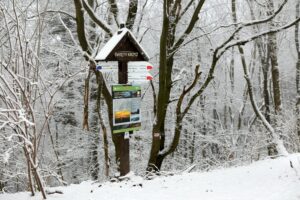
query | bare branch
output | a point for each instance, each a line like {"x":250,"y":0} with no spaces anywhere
{"x":81,"y":27}
{"x":141,"y":18}
{"x":132,"y":13}
{"x":185,"y":92}
{"x":98,"y":21}
{"x":190,"y":27}
{"x":245,"y":41}
{"x":217,"y":56}
{"x":240,"y":25}
{"x":54,"y":11}
{"x":114,"y":10}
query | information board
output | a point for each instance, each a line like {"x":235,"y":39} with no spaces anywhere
{"x":126,"y":108}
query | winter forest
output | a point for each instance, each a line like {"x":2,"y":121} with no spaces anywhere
{"x":225,"y":88}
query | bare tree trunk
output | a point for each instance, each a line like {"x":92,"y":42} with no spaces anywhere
{"x":168,"y":47}
{"x":231,"y":78}
{"x":33,"y":167}
{"x":105,"y":148}
{"x":93,"y":148}
{"x":273,"y":51}
{"x":298,"y":74}
{"x":241,"y":51}
{"x":272,"y":57}
{"x":29,"y":173}
{"x":158,"y":128}
{"x":39,"y":181}
{"x":192,"y":148}
{"x":245,"y":93}
{"x":103,"y":127}
{"x":275,"y":137}
{"x":265,"y":57}
{"x":57,"y":154}
{"x":94,"y":136}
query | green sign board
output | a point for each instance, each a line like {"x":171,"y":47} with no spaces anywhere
{"x":126,"y":108}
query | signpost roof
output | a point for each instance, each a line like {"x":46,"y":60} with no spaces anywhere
{"x":120,"y":47}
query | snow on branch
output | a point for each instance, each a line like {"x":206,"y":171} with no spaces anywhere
{"x":245,"y":41}
{"x":53,"y":11}
{"x":84,"y":53}
{"x":97,"y":20}
{"x":239,"y":25}
{"x":190,"y":27}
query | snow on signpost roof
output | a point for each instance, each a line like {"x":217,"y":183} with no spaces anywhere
{"x":113,"y":42}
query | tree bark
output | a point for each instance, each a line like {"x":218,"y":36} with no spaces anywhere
{"x":297,"y":74}
{"x":273,"y":51}
{"x":81,"y":27}
{"x":168,"y":47}
{"x":158,"y":128}
{"x":132,"y":13}
{"x":103,"y":127}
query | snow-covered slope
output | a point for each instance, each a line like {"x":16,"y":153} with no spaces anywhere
{"x":263,"y":180}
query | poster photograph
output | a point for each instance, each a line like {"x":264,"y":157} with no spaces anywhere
{"x":126,"y":108}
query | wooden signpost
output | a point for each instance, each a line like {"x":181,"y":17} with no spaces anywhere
{"x":122,"y":47}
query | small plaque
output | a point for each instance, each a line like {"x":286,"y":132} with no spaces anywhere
{"x":98,"y":67}
{"x":126,"y":135}
{"x":156,"y":135}
{"x":126,"y":54}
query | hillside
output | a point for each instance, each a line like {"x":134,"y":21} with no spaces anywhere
{"x":269,"y":179}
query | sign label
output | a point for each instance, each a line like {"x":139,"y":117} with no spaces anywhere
{"x":126,"y":108}
{"x":126,"y":54}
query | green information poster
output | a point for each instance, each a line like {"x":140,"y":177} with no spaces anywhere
{"x":126,"y":108}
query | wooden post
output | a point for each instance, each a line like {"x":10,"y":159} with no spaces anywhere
{"x":126,"y":49}
{"x":124,"y":143}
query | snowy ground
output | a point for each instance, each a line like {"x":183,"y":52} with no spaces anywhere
{"x":263,"y":180}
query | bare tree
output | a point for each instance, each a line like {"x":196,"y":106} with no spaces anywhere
{"x":272,"y":49}
{"x":158,"y":150}
{"x":27,"y":94}
{"x":170,"y":42}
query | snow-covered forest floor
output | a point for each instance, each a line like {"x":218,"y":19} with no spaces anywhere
{"x":270,"y":179}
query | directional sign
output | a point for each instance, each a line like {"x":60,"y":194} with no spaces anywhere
{"x":139,"y":71}
{"x":133,"y":76}
{"x":106,"y":67}
{"x":139,"y":65}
